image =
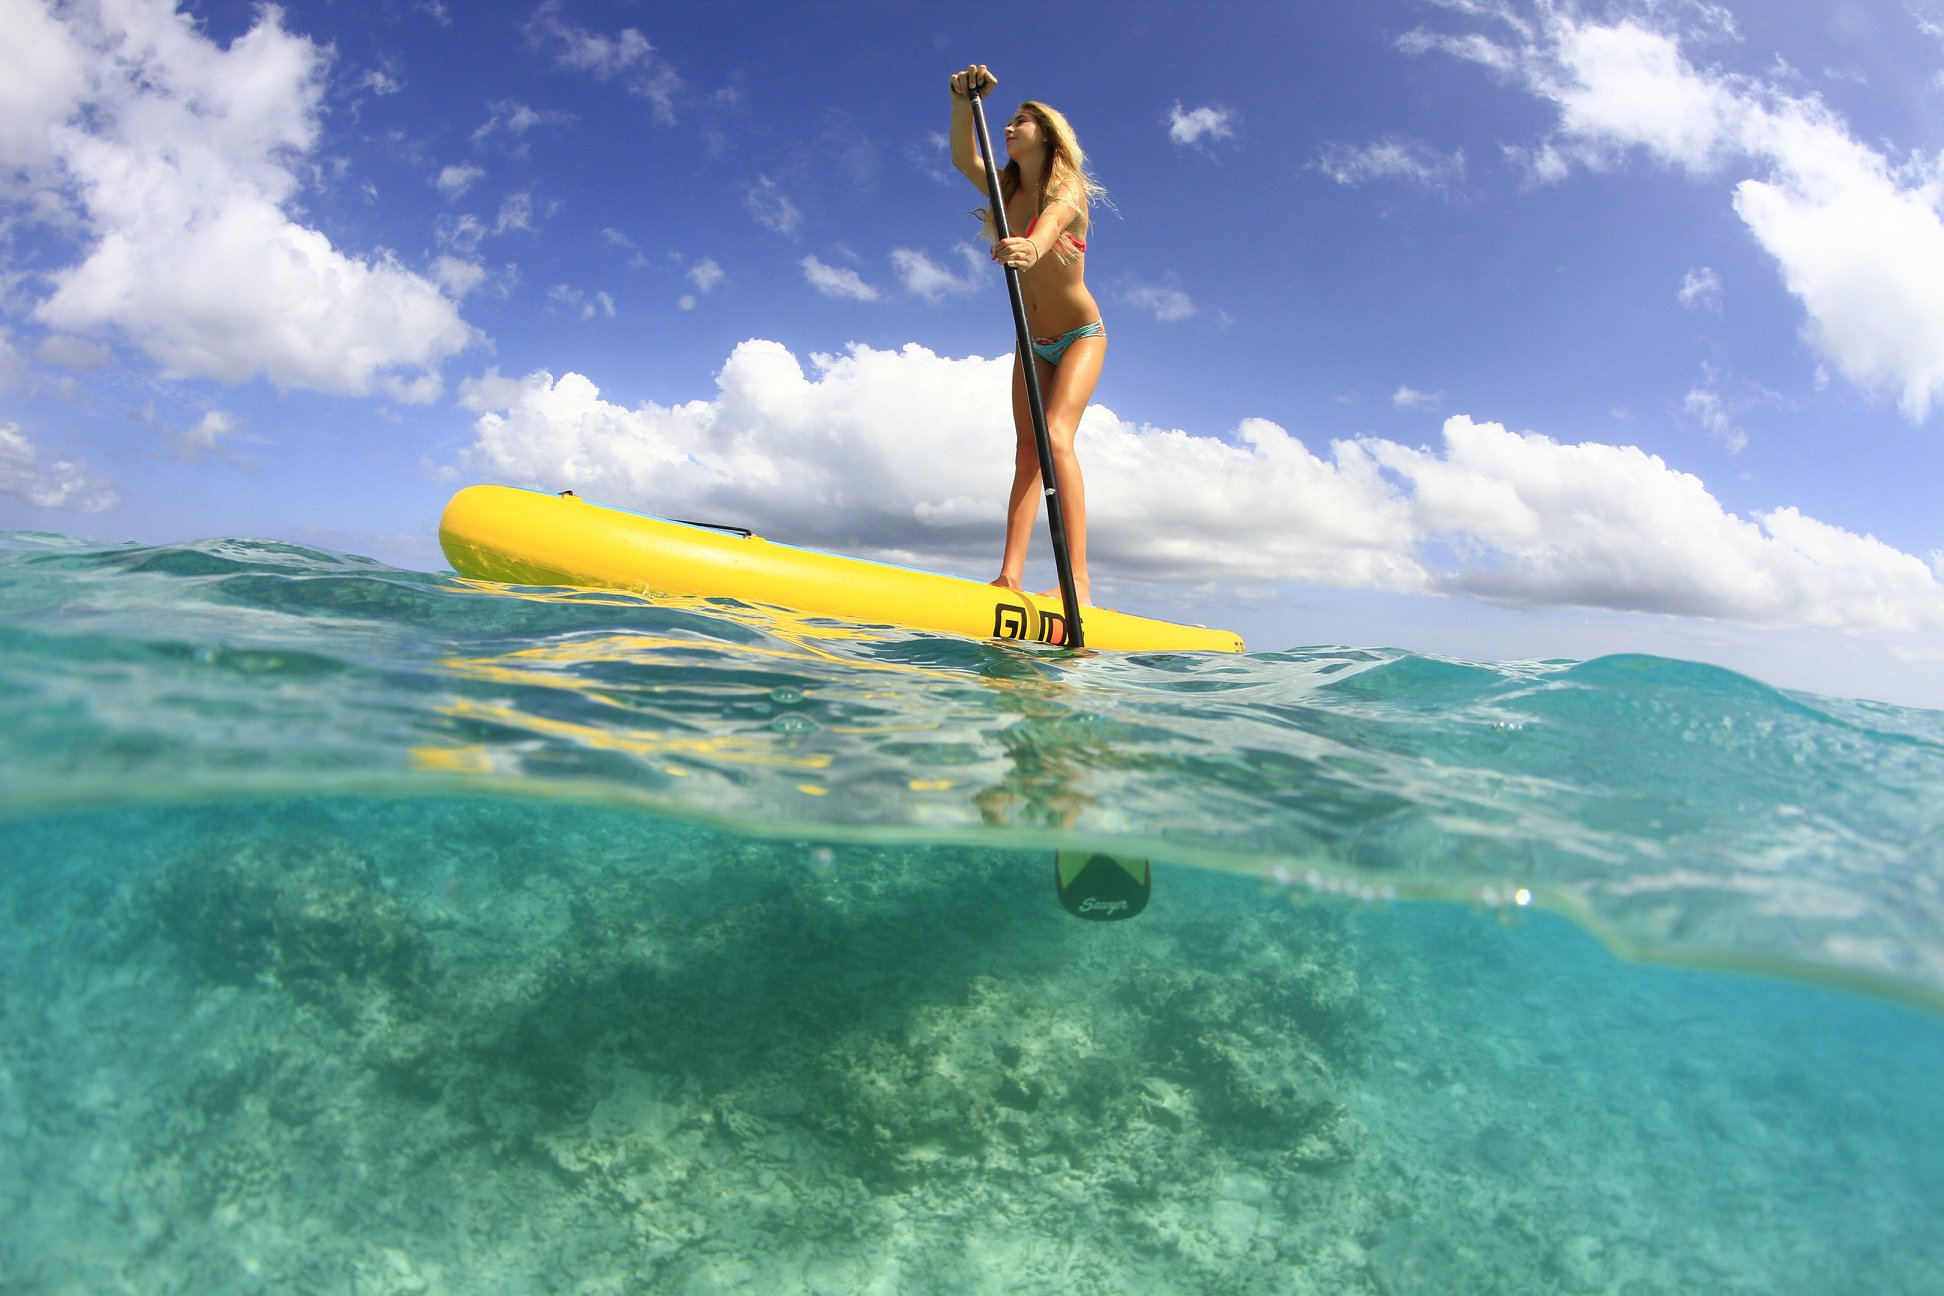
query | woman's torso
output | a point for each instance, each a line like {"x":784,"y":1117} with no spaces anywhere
{"x":1054,"y":286}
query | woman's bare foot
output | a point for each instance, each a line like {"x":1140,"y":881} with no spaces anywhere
{"x":1004,"y":581}
{"x":1082,"y":593}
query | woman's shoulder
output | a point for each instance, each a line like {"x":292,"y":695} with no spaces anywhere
{"x":1069,"y":195}
{"x":1069,"y":208}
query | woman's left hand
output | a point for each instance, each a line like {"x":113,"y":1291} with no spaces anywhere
{"x":1019,"y":253}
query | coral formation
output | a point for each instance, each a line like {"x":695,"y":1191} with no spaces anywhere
{"x":704,"y":1041}
{"x":306,"y":912}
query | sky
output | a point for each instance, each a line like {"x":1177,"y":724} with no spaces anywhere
{"x":1503,"y":329}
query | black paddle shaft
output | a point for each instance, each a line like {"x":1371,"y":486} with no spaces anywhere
{"x":1055,"y":517}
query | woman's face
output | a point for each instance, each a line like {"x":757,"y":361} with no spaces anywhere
{"x":1024,"y":138}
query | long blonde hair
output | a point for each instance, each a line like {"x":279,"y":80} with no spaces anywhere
{"x":1067,"y":179}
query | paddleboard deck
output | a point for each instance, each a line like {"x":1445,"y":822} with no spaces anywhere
{"x":527,"y":537}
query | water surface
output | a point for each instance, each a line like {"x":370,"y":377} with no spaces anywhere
{"x":368,"y":930}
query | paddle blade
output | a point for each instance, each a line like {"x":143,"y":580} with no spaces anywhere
{"x":1100,"y":887}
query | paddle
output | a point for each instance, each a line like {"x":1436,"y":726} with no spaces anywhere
{"x":1100,"y":887}
{"x":1055,"y":519}
{"x":1091,"y":885}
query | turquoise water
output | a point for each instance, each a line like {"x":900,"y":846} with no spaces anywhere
{"x":369,"y":931}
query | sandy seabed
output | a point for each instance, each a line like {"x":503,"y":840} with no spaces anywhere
{"x":486,"y":1047}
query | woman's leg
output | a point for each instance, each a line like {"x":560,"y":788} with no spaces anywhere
{"x":1065,"y":389}
{"x":1022,"y":506}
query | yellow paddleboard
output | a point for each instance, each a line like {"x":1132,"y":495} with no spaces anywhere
{"x":524,"y":537}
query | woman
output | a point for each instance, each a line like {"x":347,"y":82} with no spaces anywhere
{"x":1046,"y":190}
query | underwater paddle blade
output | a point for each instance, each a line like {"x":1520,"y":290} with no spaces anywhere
{"x":1101,"y":887}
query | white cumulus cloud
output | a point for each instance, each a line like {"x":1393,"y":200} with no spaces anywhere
{"x":836,"y":281}
{"x":924,"y":277}
{"x":587,"y":306}
{"x":1392,"y":159}
{"x":44,"y":75}
{"x":772,"y":207}
{"x":1593,"y":525}
{"x":1194,"y":126}
{"x":706,"y":274}
{"x":1706,"y":407}
{"x":453,"y":181}
{"x":208,"y":435}
{"x":1857,"y":236}
{"x":516,"y":119}
{"x":1168,"y":305}
{"x":627,"y":56}
{"x":457,"y":275}
{"x":905,"y":455}
{"x":177,"y":158}
{"x":74,"y":353}
{"x":1701,"y":291}
{"x":49,"y":481}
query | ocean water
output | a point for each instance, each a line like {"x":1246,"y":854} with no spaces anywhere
{"x":371,"y":931}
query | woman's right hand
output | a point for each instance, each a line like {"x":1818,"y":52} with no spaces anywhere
{"x":976,"y":79}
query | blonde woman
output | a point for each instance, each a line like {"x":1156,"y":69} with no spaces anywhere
{"x":1046,"y":190}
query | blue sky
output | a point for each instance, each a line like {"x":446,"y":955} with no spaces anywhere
{"x":1500,"y":328}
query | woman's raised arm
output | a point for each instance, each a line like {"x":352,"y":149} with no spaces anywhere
{"x":976,"y":79}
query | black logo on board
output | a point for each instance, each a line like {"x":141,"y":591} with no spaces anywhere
{"x":1021,"y":621}
{"x":1011,"y":621}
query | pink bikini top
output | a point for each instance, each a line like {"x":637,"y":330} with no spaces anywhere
{"x":1079,"y":245}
